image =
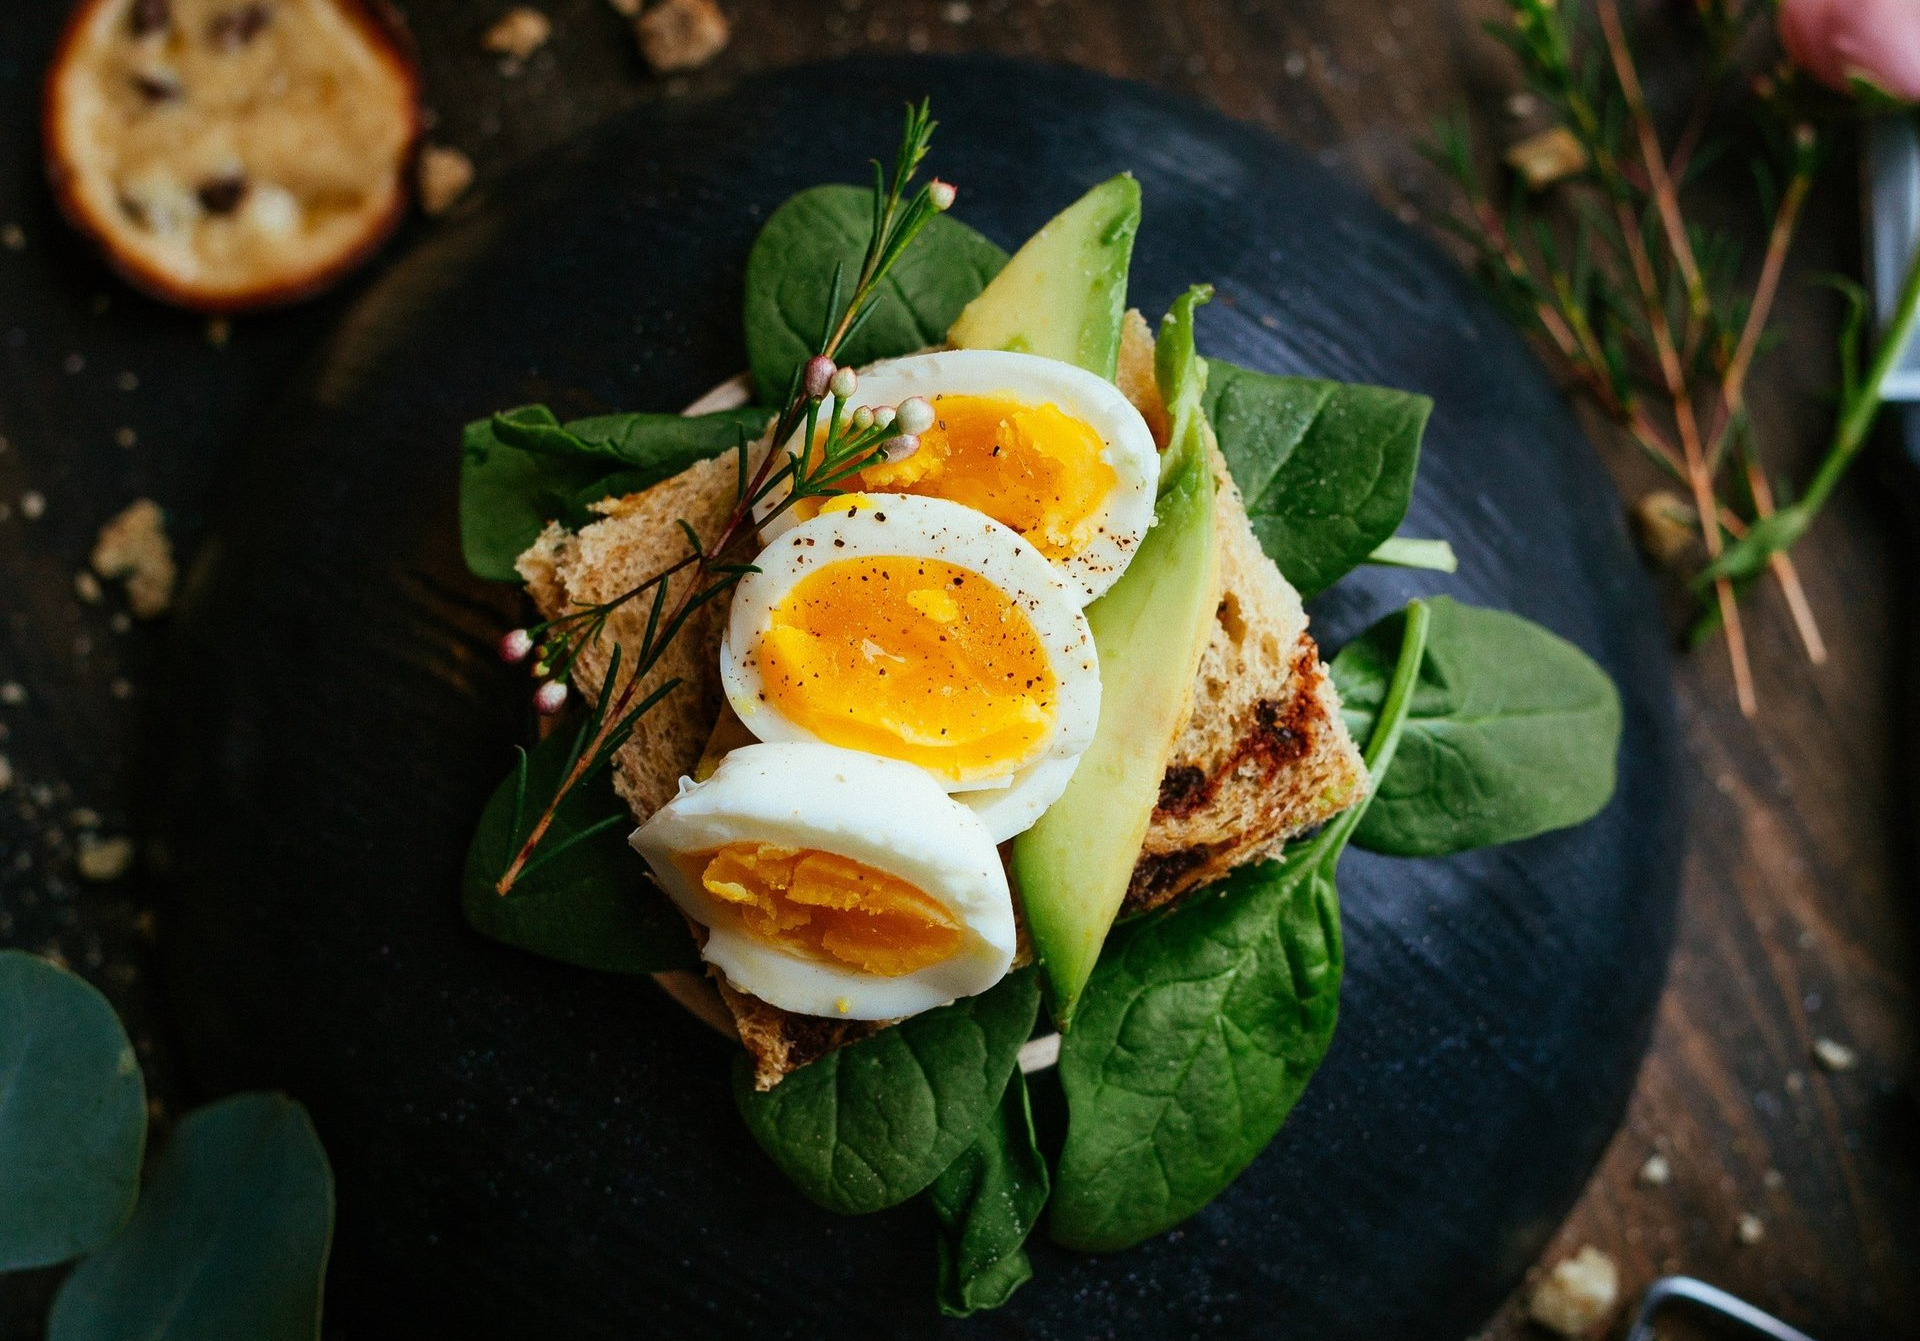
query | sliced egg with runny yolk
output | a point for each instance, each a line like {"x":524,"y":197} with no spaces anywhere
{"x":835,"y":883}
{"x":919,"y":630}
{"x":1050,"y":450}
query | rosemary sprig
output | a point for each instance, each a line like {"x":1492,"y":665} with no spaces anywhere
{"x":1643,"y":310}
{"x":839,"y":441}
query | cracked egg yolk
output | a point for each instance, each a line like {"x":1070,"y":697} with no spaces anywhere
{"x":914,"y":659}
{"x":1033,"y":468}
{"x":829,"y":907}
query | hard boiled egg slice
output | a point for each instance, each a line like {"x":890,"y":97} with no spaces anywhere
{"x":919,"y":630}
{"x":1050,"y":450}
{"x":835,"y":883}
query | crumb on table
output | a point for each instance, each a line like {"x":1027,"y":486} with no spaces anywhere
{"x":1577,"y":1294}
{"x":681,"y":34}
{"x":519,"y":33}
{"x":444,"y":176}
{"x":134,"y":546}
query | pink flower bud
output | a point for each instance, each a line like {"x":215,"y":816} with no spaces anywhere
{"x":843,"y":382}
{"x":516,"y":647}
{"x":549,"y":698}
{"x":941,"y":194}
{"x":818,"y":375}
{"x":1840,"y":42}
{"x":899,"y":447}
{"x":915,"y":416}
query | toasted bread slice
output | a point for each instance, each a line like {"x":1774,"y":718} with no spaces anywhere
{"x":1264,"y":754}
{"x":635,"y":538}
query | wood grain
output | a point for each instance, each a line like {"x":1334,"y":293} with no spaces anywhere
{"x":1799,"y":909}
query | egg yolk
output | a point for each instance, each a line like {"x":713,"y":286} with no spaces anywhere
{"x":914,"y":659}
{"x":1033,"y":468}
{"x":831,"y":907}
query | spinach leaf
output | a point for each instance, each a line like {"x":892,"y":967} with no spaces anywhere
{"x":988,"y":1201}
{"x":870,"y":1125}
{"x":73,"y":1115}
{"x":230,"y":1240}
{"x":790,"y":282}
{"x":1202,"y":1026}
{"x":594,"y":904}
{"x":1514,"y":731}
{"x":522,"y":469}
{"x":1326,"y":467}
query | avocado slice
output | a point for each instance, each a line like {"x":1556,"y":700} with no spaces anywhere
{"x":1063,"y":293}
{"x":1073,"y":867}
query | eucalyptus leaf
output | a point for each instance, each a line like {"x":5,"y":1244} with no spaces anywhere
{"x":1514,"y":731}
{"x":73,"y":1115}
{"x":872,"y":1124}
{"x":1326,"y":467}
{"x":522,"y":468}
{"x":1202,"y":1026}
{"x":593,"y":904}
{"x":988,"y":1201}
{"x":230,"y":1240}
{"x":790,"y":284}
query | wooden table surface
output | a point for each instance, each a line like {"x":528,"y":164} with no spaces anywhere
{"x":1798,"y":911}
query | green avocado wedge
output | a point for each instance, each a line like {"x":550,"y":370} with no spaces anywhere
{"x":1074,"y":866}
{"x":1064,"y":292}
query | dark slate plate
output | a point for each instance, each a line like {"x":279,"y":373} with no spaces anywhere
{"x":528,"y":1149}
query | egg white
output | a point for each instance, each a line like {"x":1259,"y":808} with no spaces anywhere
{"x":1123,"y":518}
{"x":889,"y":815}
{"x":858,"y":525}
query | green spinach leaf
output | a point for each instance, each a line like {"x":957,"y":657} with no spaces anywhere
{"x":988,"y":1201}
{"x":73,"y":1115}
{"x":594,"y":904}
{"x":1202,"y":1026}
{"x":1326,"y":467}
{"x":872,"y":1124}
{"x":230,"y":1240}
{"x":1514,"y":731}
{"x":790,"y":279}
{"x":522,"y":469}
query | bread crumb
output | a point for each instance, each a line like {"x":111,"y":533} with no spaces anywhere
{"x":121,"y":689}
{"x":957,"y":12}
{"x":6,"y":772}
{"x":100,"y":860}
{"x":1834,"y":1055}
{"x":1749,"y":1230}
{"x":681,"y":34}
{"x":1520,"y":106}
{"x":444,"y":174}
{"x":33,"y":505}
{"x":520,"y":32}
{"x":13,"y":238}
{"x":13,"y":693}
{"x":626,"y":9}
{"x":1543,"y":159}
{"x":134,"y":546}
{"x":1666,"y":526}
{"x":128,"y":381}
{"x":125,"y":437}
{"x":219,"y":331}
{"x":1577,"y":1294}
{"x":1656,"y":1172}
{"x":1773,"y":1180}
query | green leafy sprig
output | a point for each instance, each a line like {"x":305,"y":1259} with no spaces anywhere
{"x":1649,"y":313}
{"x":840,"y":440}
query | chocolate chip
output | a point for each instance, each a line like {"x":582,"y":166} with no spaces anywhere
{"x":234,"y":28}
{"x":222,"y":195}
{"x":151,"y":16}
{"x":156,"y":87}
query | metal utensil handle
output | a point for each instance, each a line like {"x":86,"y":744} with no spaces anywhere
{"x":1714,"y":1300}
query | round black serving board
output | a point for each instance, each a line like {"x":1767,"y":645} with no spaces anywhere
{"x":527,"y":1149}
